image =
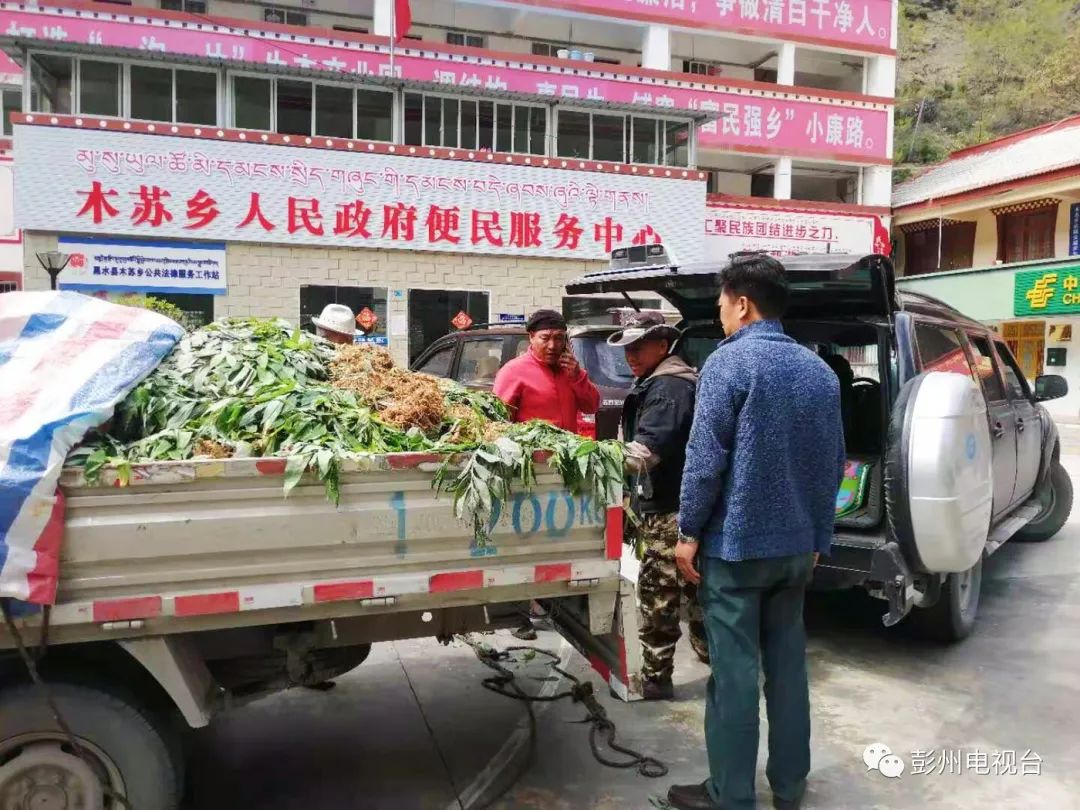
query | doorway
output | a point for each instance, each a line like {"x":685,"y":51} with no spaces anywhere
{"x":1027,"y":341}
{"x":432,"y":312}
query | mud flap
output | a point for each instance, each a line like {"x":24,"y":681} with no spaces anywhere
{"x":617,"y":661}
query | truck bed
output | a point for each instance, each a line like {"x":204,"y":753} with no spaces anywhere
{"x":189,"y":545}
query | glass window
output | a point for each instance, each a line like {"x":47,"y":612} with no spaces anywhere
{"x":375,"y":115}
{"x":12,"y":104}
{"x":450,"y":108}
{"x":676,"y":143}
{"x":431,"y":313}
{"x":414,"y":119}
{"x":480,"y":361}
{"x":468,"y":124}
{"x":151,"y":93}
{"x":521,"y":129}
{"x":438,"y":365}
{"x":196,"y":96}
{"x":538,"y":130}
{"x":504,"y":128}
{"x":987,"y":369}
{"x":99,"y":87}
{"x":252,"y":102}
{"x":646,"y":138}
{"x":941,"y":350}
{"x":51,"y":77}
{"x":606,"y":365}
{"x":190,"y":6}
{"x":1015,"y":381}
{"x":432,"y":121}
{"x":333,"y":111}
{"x":314,"y":297}
{"x":573,"y":135}
{"x":487,"y":126}
{"x":293,"y":107}
{"x":607,"y":137}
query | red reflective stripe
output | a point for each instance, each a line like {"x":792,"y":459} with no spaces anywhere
{"x":614,"y":532}
{"x":119,"y":610}
{"x":600,"y":666}
{"x":406,"y":461}
{"x":338,"y":591}
{"x":624,"y":676}
{"x":204,"y":603}
{"x":556,"y":572}
{"x":271,"y":467}
{"x":455,"y":581}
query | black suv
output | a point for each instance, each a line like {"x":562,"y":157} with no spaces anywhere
{"x":474,"y":356}
{"x":919,"y":509}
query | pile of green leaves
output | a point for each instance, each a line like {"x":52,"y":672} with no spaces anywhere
{"x":253,"y":387}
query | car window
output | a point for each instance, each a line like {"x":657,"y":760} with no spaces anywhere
{"x":1015,"y":382}
{"x":695,"y":349}
{"x":519,"y":346}
{"x":480,"y":361}
{"x":438,"y":365}
{"x":941,"y":350}
{"x":987,"y":369}
{"x":605,"y":365}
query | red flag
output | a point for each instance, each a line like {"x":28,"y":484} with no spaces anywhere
{"x":402,"y":19}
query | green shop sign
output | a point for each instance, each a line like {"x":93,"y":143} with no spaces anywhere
{"x":1047,"y":292}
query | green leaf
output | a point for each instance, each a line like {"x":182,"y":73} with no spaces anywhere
{"x":294,"y":471}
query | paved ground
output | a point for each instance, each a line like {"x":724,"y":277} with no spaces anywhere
{"x":413,"y":728}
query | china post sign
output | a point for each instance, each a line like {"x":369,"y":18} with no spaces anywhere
{"x":1052,"y":291}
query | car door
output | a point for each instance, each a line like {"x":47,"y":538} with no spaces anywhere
{"x":1028,"y":424}
{"x":1003,"y":428}
{"x":437,"y":361}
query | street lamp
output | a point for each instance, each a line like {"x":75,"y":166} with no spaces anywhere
{"x":53,"y":261}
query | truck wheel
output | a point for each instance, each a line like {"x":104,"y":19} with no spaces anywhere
{"x":1056,"y":498}
{"x":952,"y":617}
{"x":122,"y":749}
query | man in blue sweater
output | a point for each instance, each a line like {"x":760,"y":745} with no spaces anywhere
{"x":763,"y":465}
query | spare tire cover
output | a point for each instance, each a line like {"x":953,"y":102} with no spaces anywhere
{"x":950,"y":472}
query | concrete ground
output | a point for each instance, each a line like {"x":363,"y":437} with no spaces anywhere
{"x":413,"y":727}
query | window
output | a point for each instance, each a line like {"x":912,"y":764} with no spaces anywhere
{"x":432,"y":120}
{"x":941,"y":350}
{"x":921,"y":247}
{"x":1015,"y":383}
{"x":987,"y":369}
{"x":198,"y":309}
{"x":438,"y":365}
{"x":293,"y":107}
{"x":51,"y":83}
{"x":1027,"y":235}
{"x":333,"y":111}
{"x":468,"y":40}
{"x":168,"y":94}
{"x":8,"y":286}
{"x":298,"y":107}
{"x":623,"y":138}
{"x":99,"y":87}
{"x":196,"y":97}
{"x":697,"y":68}
{"x":252,"y":102}
{"x":151,"y":94}
{"x":546,"y":49}
{"x":352,"y":29}
{"x":284,"y":16}
{"x":190,"y":6}
{"x":431,"y":313}
{"x":480,"y":361}
{"x":12,"y":103}
{"x":314,"y":297}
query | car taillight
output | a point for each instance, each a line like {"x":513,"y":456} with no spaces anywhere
{"x":586,"y":425}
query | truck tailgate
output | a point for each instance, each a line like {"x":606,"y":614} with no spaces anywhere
{"x":188,"y":539}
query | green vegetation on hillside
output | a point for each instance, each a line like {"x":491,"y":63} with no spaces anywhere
{"x":974,"y":70}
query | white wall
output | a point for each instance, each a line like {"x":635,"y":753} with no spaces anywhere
{"x":1066,"y":406}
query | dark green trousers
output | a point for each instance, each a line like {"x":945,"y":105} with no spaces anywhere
{"x":754,"y":620}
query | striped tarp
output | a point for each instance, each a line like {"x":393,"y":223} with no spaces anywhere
{"x":66,"y":360}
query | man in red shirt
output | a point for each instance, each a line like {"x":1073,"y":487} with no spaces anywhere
{"x":546,"y":382}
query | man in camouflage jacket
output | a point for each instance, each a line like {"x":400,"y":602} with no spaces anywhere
{"x":656,"y":425}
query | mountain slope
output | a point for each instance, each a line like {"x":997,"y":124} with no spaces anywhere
{"x":973,"y":70}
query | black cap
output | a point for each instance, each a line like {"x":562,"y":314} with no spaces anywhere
{"x":545,"y":319}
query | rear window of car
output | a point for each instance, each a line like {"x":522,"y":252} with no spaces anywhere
{"x":605,"y":365}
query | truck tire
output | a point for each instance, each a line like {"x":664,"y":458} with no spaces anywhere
{"x":1057,"y":498}
{"x":952,"y":617}
{"x":124,"y":748}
